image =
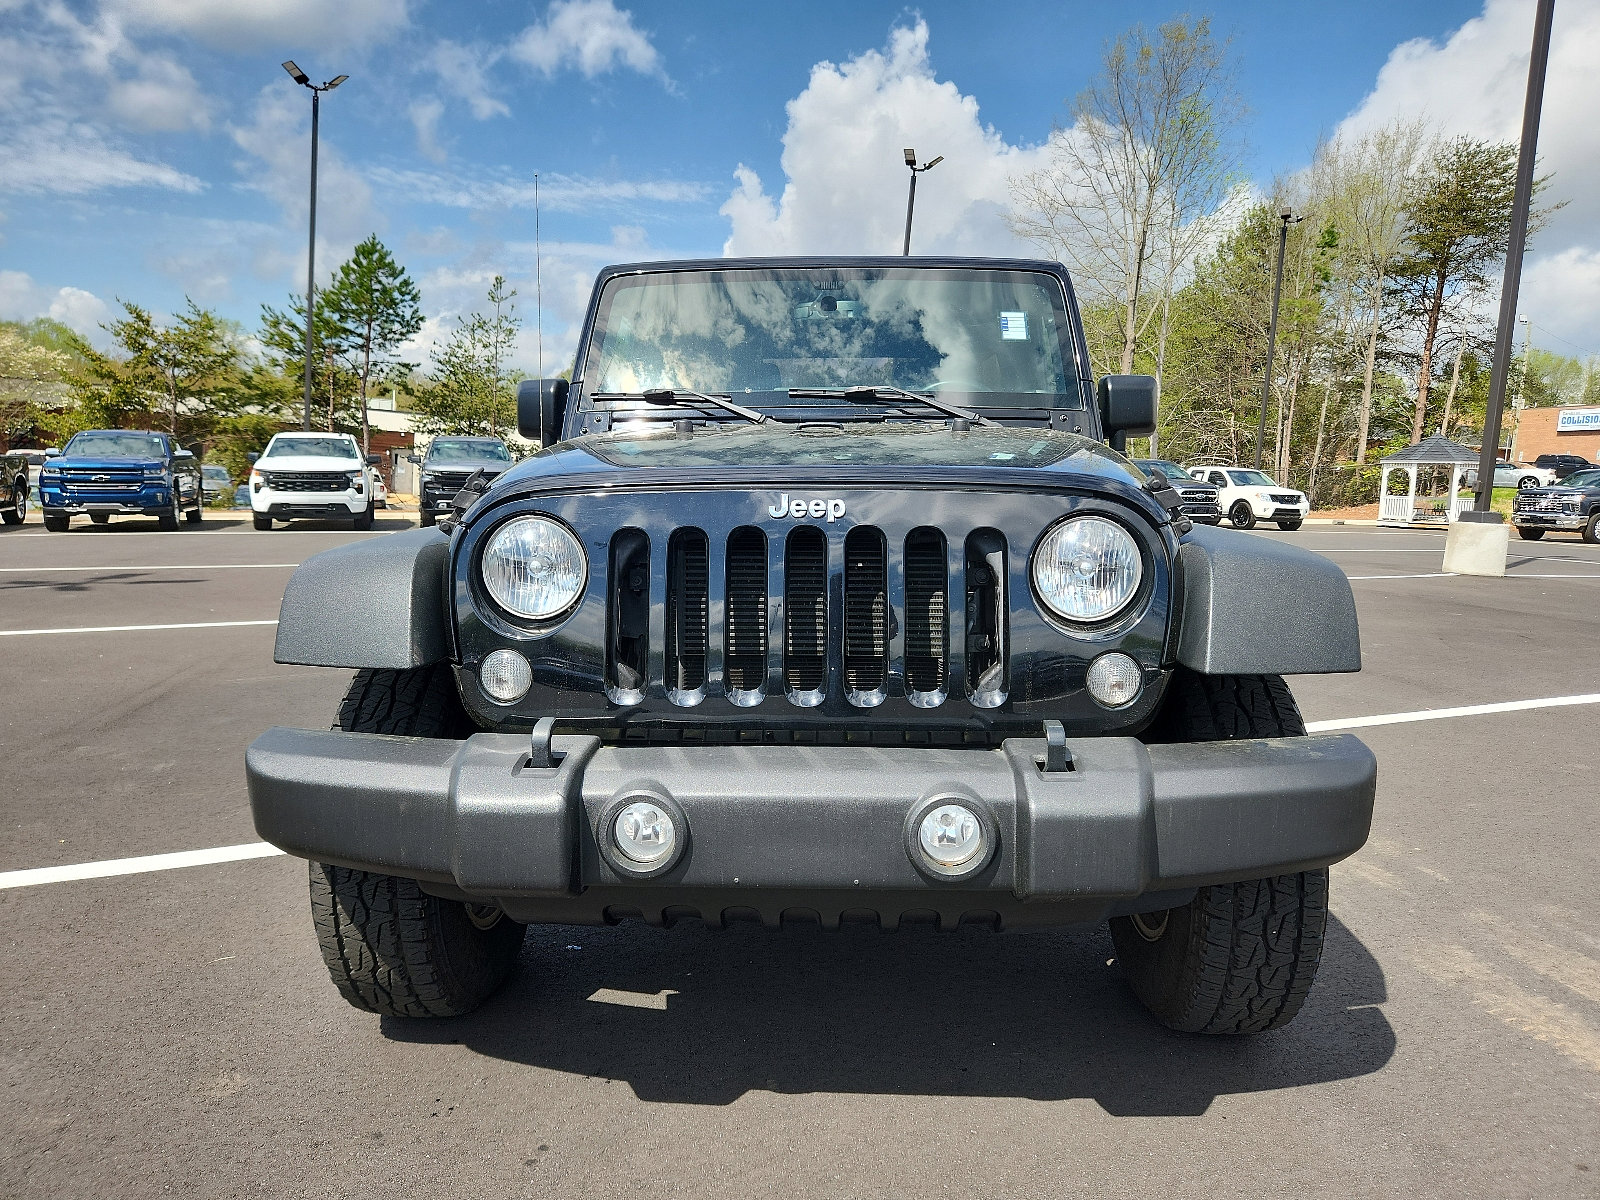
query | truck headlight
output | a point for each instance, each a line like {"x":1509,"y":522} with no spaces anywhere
{"x":533,"y":567}
{"x":1087,"y":569}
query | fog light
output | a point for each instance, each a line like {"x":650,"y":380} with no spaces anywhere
{"x":951,"y":836}
{"x":1114,"y":680}
{"x":505,"y":675}
{"x":644,"y":833}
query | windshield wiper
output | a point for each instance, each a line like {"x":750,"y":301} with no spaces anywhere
{"x":671,"y":396}
{"x":867,"y":395}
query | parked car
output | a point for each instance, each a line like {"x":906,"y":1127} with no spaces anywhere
{"x":1199,"y":499}
{"x":215,"y":481}
{"x":35,"y":460}
{"x":316,"y":475}
{"x":1562,"y":465}
{"x":380,"y":490}
{"x":1514,"y":475}
{"x":1572,"y":504}
{"x":14,"y":488}
{"x":450,"y":462}
{"x":835,"y":641}
{"x":104,"y":473}
{"x":1248,"y":496}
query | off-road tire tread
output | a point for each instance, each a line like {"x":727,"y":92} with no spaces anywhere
{"x":1241,"y":957}
{"x":389,"y":946}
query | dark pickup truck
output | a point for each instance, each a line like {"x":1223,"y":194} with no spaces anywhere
{"x":13,"y":489}
{"x":830,"y":597}
{"x":103,"y":473}
{"x":1572,"y":505}
{"x":449,"y":463}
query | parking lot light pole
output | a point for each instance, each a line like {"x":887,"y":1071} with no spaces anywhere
{"x":1522,"y":200}
{"x":304,"y":80}
{"x":1288,"y":218}
{"x":911,"y":199}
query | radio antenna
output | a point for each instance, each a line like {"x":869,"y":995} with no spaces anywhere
{"x":538,"y":278}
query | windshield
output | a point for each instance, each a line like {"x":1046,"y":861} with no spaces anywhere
{"x":314,"y":447}
{"x":116,"y":445}
{"x":211,"y":472}
{"x":997,"y":339}
{"x":1583,"y":479}
{"x":1170,"y":469}
{"x":449,"y":450}
{"x":1251,"y":479}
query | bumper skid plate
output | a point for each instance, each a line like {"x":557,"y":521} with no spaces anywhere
{"x":811,"y":827}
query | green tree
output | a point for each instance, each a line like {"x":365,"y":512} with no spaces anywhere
{"x":471,"y":391}
{"x":1458,"y":225}
{"x":376,"y":306}
{"x":334,"y":387}
{"x":34,"y":366}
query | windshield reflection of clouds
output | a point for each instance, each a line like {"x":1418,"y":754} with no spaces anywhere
{"x":990,"y":337}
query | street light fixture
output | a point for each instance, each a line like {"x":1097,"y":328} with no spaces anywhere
{"x":1287,"y":218}
{"x":304,"y":80}
{"x":911,"y":200}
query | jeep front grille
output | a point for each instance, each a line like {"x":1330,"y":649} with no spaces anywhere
{"x":850,"y":618}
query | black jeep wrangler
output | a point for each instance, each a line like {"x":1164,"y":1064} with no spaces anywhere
{"x":827,"y":600}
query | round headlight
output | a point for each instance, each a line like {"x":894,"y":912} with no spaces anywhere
{"x":1087,"y":569}
{"x":534,"y":567}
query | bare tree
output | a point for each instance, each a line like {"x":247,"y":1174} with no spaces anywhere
{"x":1150,"y":152}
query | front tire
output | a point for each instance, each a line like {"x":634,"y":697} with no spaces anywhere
{"x":56,"y":524}
{"x":169,"y":520}
{"x":1526,"y":482}
{"x":196,"y":514}
{"x":426,"y":516}
{"x":261,"y":521}
{"x":19,"y":502}
{"x":100,"y":518}
{"x":1591,"y":531}
{"x":1242,"y":516}
{"x":1289,"y":526}
{"x":1239,"y":957}
{"x":1529,"y":535}
{"x":389,"y":947}
{"x":363,"y":521}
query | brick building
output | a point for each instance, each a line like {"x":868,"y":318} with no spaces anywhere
{"x":1557,"y":431}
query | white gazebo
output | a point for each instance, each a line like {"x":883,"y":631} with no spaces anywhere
{"x":1438,"y":457}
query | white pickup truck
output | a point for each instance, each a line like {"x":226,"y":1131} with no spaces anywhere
{"x":1248,"y":496}
{"x":317,"y":475}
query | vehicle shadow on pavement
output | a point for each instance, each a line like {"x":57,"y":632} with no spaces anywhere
{"x":88,"y":584}
{"x":702,"y":1016}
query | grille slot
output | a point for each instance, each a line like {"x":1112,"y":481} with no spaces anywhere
{"x":805,"y":626}
{"x":308,"y":481}
{"x":745,"y":617}
{"x":628,"y":615}
{"x":986,"y":618}
{"x":927,"y":610}
{"x":688,"y":578}
{"x":866,"y":611}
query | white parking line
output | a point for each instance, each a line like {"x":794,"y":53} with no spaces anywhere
{"x":166,"y":567}
{"x":1439,"y":714}
{"x":136,"y":866}
{"x":132,"y":628}
{"x":1429,"y":575}
{"x":222,"y":854}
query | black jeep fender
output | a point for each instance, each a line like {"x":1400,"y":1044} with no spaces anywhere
{"x":381,"y":602}
{"x":1248,"y":606}
{"x":1253,"y":606}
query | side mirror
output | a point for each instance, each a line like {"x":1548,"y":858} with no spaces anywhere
{"x":540,"y":403}
{"x":252,"y":456}
{"x":52,"y":451}
{"x":374,"y":459}
{"x":1127,"y":407}
{"x":416,"y":458}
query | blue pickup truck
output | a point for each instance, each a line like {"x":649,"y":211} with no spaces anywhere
{"x":107,"y":472}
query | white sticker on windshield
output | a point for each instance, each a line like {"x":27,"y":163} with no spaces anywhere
{"x":1014,"y":326}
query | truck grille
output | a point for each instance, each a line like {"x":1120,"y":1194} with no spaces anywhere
{"x":1198,"y":496}
{"x":449,"y":481}
{"x":848,"y":619}
{"x":82,"y":480}
{"x":1284,"y":498}
{"x":1552,"y":504}
{"x":307,"y":481}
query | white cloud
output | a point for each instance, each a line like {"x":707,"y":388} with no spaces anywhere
{"x":162,"y":98}
{"x":21,"y":299}
{"x":1473,"y":82}
{"x":847,"y":181}
{"x":557,"y":193}
{"x":246,"y":24}
{"x":592,"y":36}
{"x":74,"y":159}
{"x":425,"y":115}
{"x":463,"y":73}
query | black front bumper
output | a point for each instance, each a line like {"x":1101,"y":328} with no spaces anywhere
{"x":776,"y":829}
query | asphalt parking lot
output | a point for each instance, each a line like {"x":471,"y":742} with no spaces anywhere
{"x":174,"y":1031}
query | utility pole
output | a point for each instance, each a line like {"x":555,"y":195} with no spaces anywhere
{"x":911,"y":199}
{"x":1521,"y":202}
{"x":1288,"y":218}
{"x":304,"y":80}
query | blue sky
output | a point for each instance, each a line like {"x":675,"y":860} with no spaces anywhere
{"x":153,"y":149}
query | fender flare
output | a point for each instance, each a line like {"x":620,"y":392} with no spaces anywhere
{"x":381,"y":602}
{"x":1250,"y":605}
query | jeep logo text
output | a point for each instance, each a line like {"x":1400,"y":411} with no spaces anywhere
{"x":785,"y":507}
